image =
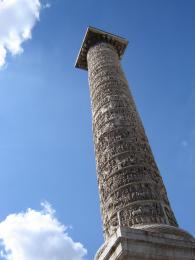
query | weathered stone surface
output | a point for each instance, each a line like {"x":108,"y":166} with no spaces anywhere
{"x":137,"y":217}
{"x":131,"y":189}
{"x":137,"y":244}
{"x":94,"y":36}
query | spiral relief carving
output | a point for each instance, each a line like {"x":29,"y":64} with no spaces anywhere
{"x":130,"y":186}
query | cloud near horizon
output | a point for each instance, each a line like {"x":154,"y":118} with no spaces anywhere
{"x":17,"y":19}
{"x":37,"y":235}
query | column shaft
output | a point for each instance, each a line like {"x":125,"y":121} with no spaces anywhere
{"x":131,"y":189}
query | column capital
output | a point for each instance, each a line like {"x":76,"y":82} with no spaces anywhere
{"x":93,"y":36}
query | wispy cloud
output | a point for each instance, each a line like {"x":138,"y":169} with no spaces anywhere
{"x":37,"y":235}
{"x":184,"y":143}
{"x":17,"y":19}
{"x":47,"y":5}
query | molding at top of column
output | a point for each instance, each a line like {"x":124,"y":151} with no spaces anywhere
{"x":94,"y":36}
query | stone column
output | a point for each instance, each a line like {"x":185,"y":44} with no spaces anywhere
{"x":132,"y":193}
{"x":130,"y":187}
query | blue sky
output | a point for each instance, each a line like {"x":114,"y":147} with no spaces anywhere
{"x":46,"y":148}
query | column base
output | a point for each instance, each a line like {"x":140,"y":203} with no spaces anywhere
{"x":155,"y":242}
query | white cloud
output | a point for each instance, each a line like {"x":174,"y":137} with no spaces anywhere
{"x":37,"y":235}
{"x":17,"y":19}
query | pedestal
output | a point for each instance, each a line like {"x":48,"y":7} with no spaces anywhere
{"x":138,"y":244}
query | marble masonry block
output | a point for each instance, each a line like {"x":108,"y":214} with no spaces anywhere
{"x":137,"y":244}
